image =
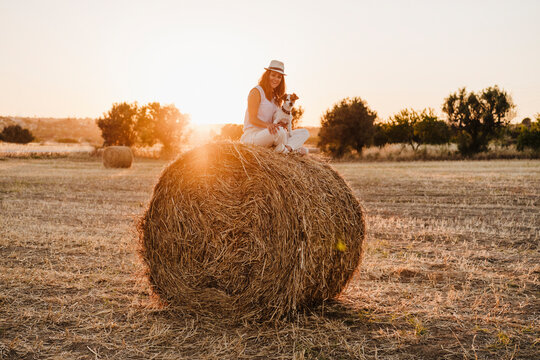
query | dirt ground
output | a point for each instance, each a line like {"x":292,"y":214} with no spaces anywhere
{"x":451,"y":270}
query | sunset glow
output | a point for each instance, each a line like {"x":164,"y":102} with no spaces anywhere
{"x":74,"y":58}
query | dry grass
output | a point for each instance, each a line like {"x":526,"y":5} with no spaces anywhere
{"x":117,"y":157}
{"x":403,"y":152}
{"x":240,"y":231}
{"x":44,"y":150}
{"x":451,"y":269}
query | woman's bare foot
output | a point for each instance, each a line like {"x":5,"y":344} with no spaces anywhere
{"x":282,"y":149}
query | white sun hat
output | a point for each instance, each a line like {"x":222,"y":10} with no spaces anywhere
{"x":277,"y":66}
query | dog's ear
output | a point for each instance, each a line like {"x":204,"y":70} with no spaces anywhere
{"x":294,"y":97}
{"x":282,"y":97}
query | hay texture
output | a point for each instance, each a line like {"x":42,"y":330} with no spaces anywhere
{"x":242,"y":232}
{"x":117,"y":157}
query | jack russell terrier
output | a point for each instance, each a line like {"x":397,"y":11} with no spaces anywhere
{"x":283,"y":115}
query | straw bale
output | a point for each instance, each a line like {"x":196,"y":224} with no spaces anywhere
{"x":241,"y":232}
{"x":117,"y":157}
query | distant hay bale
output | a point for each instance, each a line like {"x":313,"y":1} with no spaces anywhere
{"x":241,"y":232}
{"x":117,"y":157}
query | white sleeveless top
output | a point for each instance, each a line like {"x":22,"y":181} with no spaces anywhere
{"x":265,"y":113}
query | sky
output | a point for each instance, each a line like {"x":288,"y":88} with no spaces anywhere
{"x":76,"y":58}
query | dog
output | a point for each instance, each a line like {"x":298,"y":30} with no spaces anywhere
{"x":283,"y":115}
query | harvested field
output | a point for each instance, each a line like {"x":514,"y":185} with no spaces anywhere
{"x":451,"y":269}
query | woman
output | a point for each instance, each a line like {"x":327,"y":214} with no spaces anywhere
{"x":262,"y":104}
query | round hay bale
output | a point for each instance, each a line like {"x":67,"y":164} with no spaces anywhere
{"x":117,"y":157}
{"x":239,"y":231}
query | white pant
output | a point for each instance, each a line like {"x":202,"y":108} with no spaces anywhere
{"x":262,"y":137}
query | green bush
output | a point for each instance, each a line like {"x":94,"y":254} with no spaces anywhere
{"x":16,"y":134}
{"x":463,"y":140}
{"x":400,"y":128}
{"x":380,"y":134}
{"x":414,"y":128}
{"x":529,"y":137}
{"x":347,"y":126}
{"x":430,"y":130}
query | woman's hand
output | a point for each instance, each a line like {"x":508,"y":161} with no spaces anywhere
{"x":272,"y":128}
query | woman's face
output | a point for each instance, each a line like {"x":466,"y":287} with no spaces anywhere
{"x":275,"y":79}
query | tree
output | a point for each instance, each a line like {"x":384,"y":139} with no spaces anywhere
{"x":401,"y":127}
{"x":431,"y":130}
{"x":128,"y":125}
{"x":526,"y":122}
{"x":477,"y":117}
{"x":164,"y":124}
{"x":415,"y":128}
{"x":529,"y":136}
{"x":16,"y":134}
{"x":508,"y":135}
{"x":145,"y":126}
{"x":380,"y":134}
{"x":230,"y":132}
{"x":297,"y":114}
{"x":117,"y":125}
{"x":347,"y":126}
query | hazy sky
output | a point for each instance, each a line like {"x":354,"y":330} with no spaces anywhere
{"x":75,"y":58}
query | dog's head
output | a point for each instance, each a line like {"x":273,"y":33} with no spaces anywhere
{"x":289,"y":100}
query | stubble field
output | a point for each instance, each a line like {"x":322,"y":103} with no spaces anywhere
{"x":451,"y":269}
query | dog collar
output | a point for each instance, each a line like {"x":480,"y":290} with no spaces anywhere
{"x":285,"y":111}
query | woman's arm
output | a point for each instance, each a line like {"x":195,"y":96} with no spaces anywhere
{"x":254,"y":100}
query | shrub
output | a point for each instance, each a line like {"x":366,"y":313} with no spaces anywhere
{"x":400,"y":128}
{"x":347,"y":126}
{"x":507,"y":136}
{"x":16,"y":134}
{"x":430,"y":130}
{"x":380,"y":135}
{"x":526,"y":122}
{"x":413,"y":128}
{"x":529,"y":137}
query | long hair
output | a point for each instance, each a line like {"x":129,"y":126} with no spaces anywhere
{"x":270,"y":94}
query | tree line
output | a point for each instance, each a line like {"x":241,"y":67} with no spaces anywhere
{"x":130,"y":124}
{"x":473,"y":120}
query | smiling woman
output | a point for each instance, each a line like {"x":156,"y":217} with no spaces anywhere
{"x":263,"y":102}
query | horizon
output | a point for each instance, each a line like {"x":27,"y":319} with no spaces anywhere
{"x":74,"y":60}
